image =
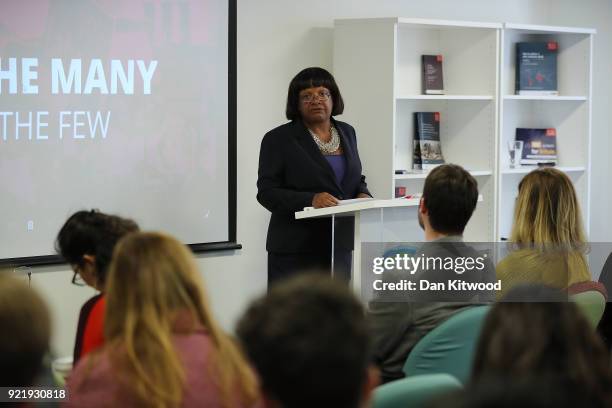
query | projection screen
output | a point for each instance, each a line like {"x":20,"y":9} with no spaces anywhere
{"x":126,"y":107}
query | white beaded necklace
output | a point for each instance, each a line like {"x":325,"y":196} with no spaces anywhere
{"x":329,"y":147}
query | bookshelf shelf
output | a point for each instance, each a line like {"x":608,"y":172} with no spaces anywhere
{"x":479,"y":111}
{"x":578,"y":98}
{"x":446,"y":24}
{"x":527,"y":169}
{"x":541,"y":29}
{"x":422,"y":175}
{"x":447,"y":97}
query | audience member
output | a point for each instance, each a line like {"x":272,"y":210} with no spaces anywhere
{"x":536,"y":331}
{"x":26,"y":327}
{"x":531,"y":391}
{"x":547,"y":240}
{"x":308,"y":340}
{"x":163,"y":346}
{"x":86,"y":241}
{"x":449,"y":198}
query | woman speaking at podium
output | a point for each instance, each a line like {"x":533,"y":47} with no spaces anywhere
{"x":312,"y":161}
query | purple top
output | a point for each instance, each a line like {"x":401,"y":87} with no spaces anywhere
{"x":338,"y":164}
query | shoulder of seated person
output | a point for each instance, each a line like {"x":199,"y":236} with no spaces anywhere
{"x":92,"y":366}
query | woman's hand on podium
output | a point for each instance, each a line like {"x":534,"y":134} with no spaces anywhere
{"x":321,"y":200}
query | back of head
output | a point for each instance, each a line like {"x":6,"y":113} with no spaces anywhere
{"x":154,"y":291}
{"x":152,"y":276}
{"x":531,"y":391}
{"x":547,"y":210}
{"x":92,"y":233}
{"x":544,"y":337}
{"x":308,"y":340}
{"x":450,"y":195}
{"x":25,"y":325}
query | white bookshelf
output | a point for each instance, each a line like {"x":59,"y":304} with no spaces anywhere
{"x":377,"y":63}
{"x":569,"y":112}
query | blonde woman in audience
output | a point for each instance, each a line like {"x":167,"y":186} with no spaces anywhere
{"x":163,"y":346}
{"x":548,"y":241}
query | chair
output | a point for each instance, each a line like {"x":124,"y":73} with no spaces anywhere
{"x":414,"y":392}
{"x":605,"y":324}
{"x":449,"y":348}
{"x":605,"y":277}
{"x":590,"y":298}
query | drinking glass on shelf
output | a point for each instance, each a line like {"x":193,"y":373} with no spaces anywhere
{"x":515,"y":147}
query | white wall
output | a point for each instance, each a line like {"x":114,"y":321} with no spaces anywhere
{"x":276,"y":39}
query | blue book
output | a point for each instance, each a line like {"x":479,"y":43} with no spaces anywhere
{"x":539,"y":145}
{"x":536,"y":68}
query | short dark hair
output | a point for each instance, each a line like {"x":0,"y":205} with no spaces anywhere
{"x":450,"y":195}
{"x":309,"y":78}
{"x":92,"y":233}
{"x":25,"y":321}
{"x":309,"y":341}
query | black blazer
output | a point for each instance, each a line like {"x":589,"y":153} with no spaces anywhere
{"x":291,"y":171}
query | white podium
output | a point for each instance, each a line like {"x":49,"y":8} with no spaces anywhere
{"x":394,"y":220}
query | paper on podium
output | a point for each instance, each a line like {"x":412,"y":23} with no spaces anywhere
{"x":345,"y":202}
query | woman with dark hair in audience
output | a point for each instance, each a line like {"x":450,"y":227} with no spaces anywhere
{"x":535,"y":331}
{"x":548,"y":240}
{"x":310,"y":161}
{"x":26,"y":331}
{"x":163,"y":346}
{"x":86,"y":241}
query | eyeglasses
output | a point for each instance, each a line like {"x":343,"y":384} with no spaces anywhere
{"x":76,"y":278}
{"x":310,"y":97}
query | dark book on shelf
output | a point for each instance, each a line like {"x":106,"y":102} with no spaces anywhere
{"x":432,"y":80}
{"x":416,"y":148}
{"x":536,"y":68}
{"x":539,"y":145}
{"x":427,"y":140}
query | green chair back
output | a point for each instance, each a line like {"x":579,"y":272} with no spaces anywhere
{"x":592,"y":303}
{"x":449,"y":348}
{"x":414,"y":392}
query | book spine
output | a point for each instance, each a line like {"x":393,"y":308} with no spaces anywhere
{"x":423,"y":74}
{"x":517,"y":70}
{"x":416,"y":144}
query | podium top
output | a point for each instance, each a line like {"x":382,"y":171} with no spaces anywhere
{"x":352,"y":207}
